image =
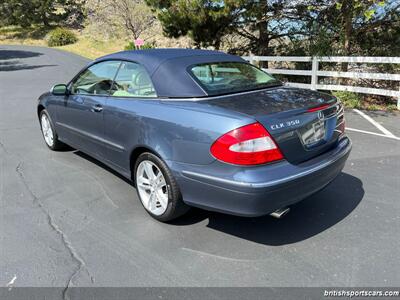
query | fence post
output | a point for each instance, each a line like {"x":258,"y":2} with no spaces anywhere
{"x":398,"y":101}
{"x":251,"y":60}
{"x":314,"y":70}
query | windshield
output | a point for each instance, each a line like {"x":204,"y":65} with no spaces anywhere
{"x":230,"y":77}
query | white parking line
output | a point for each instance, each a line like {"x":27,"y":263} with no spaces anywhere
{"x":376,"y":124}
{"x":373,"y":133}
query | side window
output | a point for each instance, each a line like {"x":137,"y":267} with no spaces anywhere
{"x":132,"y":81}
{"x":97,"y":79}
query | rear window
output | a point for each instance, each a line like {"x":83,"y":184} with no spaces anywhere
{"x":230,"y":77}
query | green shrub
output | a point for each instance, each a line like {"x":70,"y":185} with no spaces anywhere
{"x":374,"y":107}
{"x":349,"y":99}
{"x":392,"y":107}
{"x":131,"y":46}
{"x":61,"y":37}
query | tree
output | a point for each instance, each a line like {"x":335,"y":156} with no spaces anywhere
{"x":28,"y":12}
{"x":132,"y":15}
{"x":135,"y":16}
{"x":350,"y":28}
{"x":207,"y":22}
{"x":349,"y":25}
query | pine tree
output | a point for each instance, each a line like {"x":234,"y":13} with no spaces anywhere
{"x":258,"y":23}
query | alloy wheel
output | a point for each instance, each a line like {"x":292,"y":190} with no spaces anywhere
{"x":152,"y":187}
{"x":47,"y":130}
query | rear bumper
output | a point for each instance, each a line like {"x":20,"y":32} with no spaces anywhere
{"x":258,"y":190}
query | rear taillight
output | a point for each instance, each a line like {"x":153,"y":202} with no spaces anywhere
{"x":247,"y":145}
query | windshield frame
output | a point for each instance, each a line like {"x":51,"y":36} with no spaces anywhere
{"x":273,"y":83}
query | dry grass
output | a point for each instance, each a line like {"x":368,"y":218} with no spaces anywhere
{"x":92,"y":49}
{"x":36,"y":36}
{"x":87,"y":45}
{"x":15,"y":35}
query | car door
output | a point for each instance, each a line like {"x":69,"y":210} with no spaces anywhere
{"x":123,"y":114}
{"x":80,"y":117}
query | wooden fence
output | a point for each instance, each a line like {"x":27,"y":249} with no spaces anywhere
{"x":315,"y":72}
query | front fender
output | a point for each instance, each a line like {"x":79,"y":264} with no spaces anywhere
{"x":47,"y":101}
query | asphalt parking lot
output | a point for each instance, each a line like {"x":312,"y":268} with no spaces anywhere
{"x":67,"y":220}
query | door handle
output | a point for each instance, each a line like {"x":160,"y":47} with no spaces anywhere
{"x":97,"y":108}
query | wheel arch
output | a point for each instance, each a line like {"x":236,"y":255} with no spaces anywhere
{"x":39,"y":109}
{"x":134,"y":156}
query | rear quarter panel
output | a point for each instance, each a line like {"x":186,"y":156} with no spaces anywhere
{"x":180,"y":131}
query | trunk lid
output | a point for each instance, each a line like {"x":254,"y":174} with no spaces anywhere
{"x":300,"y":133}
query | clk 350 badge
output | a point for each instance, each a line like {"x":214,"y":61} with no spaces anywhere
{"x":285,"y":124}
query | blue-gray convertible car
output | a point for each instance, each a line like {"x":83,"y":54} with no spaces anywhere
{"x":199,"y":128}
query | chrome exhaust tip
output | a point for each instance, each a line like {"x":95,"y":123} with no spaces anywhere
{"x":279,"y":213}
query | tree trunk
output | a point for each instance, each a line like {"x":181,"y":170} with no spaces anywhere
{"x":217,"y":44}
{"x":263,"y":42}
{"x":347,"y":11}
{"x":45,"y":19}
{"x":348,"y":29}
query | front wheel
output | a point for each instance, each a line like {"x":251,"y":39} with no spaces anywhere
{"x":49,"y":134}
{"x":157,"y":189}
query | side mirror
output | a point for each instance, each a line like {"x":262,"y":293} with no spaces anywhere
{"x":59,"y":89}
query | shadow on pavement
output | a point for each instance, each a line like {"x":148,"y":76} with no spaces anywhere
{"x":16,"y":66}
{"x":10,"y":60}
{"x":14,"y":54}
{"x":306,"y":219}
{"x":100,"y":164}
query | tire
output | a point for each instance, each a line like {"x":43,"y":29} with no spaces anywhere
{"x":167,"y":201}
{"x":48,"y":129}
